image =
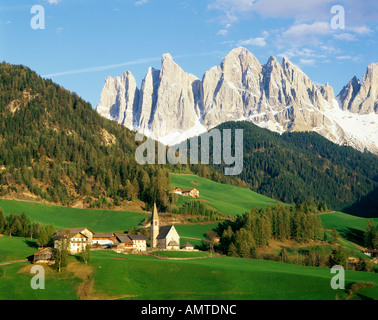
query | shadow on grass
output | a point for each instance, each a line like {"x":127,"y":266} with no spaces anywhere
{"x":31,"y":243}
{"x":353,"y":235}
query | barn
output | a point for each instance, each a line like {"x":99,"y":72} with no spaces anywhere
{"x":44,"y":255}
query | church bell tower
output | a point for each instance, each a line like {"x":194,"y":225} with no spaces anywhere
{"x":154,"y":227}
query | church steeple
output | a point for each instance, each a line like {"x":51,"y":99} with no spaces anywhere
{"x":154,"y":227}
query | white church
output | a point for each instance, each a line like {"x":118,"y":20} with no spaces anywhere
{"x":165,"y":237}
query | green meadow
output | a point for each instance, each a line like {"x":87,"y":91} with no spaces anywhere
{"x":65,"y":217}
{"x":350,"y":227}
{"x":15,"y":248}
{"x":15,"y":284}
{"x":342,"y":221}
{"x":145,"y":277}
{"x":228,"y":199}
{"x":118,"y":276}
{"x":182,"y":254}
{"x":194,"y":233}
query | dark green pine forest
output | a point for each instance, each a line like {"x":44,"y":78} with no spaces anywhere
{"x":307,"y":167}
{"x":56,"y":147}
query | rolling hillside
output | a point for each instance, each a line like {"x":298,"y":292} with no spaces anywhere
{"x":144,"y":277}
{"x":306,"y":167}
{"x":63,"y":217}
{"x":228,"y":199}
{"x":350,"y":227}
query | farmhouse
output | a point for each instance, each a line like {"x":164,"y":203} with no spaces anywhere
{"x":103,"y":239}
{"x":139,"y":242}
{"x":371,"y":253}
{"x":194,"y":193}
{"x":130,"y":242}
{"x":123,"y":242}
{"x":44,"y":255}
{"x":78,"y":239}
{"x":165,"y":237}
{"x":176,"y":190}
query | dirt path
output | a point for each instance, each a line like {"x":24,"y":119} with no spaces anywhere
{"x":12,"y":262}
{"x":171,"y":258}
{"x":193,"y":238}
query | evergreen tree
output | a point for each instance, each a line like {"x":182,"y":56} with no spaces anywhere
{"x":361,"y":265}
{"x":2,"y":221}
{"x":334,"y":236}
{"x":338,"y":257}
{"x":370,"y":234}
{"x":86,"y":254}
{"x":61,"y":254}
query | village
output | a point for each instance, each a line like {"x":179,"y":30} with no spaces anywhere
{"x":76,"y":240}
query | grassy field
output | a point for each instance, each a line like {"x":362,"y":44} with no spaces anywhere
{"x":349,"y":227}
{"x":15,"y":284}
{"x":227,"y":199}
{"x":15,"y":248}
{"x":194,"y":233}
{"x":182,"y":254}
{"x":64,"y":217}
{"x":145,"y":277}
{"x":116,"y":276}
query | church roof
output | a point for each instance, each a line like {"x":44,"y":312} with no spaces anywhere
{"x":163,"y":232}
{"x":173,"y":243}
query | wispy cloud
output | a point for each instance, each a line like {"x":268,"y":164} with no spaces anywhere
{"x":231,"y":10}
{"x":306,"y":32}
{"x":307,"y":62}
{"x":140,"y":2}
{"x":343,"y":57}
{"x":253,"y":41}
{"x":259,"y":42}
{"x":101,"y":68}
{"x":345,"y":37}
{"x":222,"y":32}
{"x":123,"y":64}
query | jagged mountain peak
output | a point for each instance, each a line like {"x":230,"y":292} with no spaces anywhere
{"x":372,"y":67}
{"x":242,"y":59}
{"x":173,"y":105}
{"x":166,"y":56}
{"x":235,"y":53}
{"x":272,"y":60}
{"x":361,"y":97}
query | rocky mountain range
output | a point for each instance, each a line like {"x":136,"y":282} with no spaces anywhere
{"x":172,"y":105}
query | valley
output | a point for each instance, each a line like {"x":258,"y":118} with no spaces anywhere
{"x":269,"y":233}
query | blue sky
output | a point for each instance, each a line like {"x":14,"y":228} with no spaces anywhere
{"x":84,"y":41}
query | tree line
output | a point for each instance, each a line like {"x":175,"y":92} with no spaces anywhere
{"x":20,"y":225}
{"x":256,"y":228}
{"x":197,"y":208}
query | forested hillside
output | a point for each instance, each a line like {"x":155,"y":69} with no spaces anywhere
{"x":56,"y":147}
{"x":306,"y":167}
